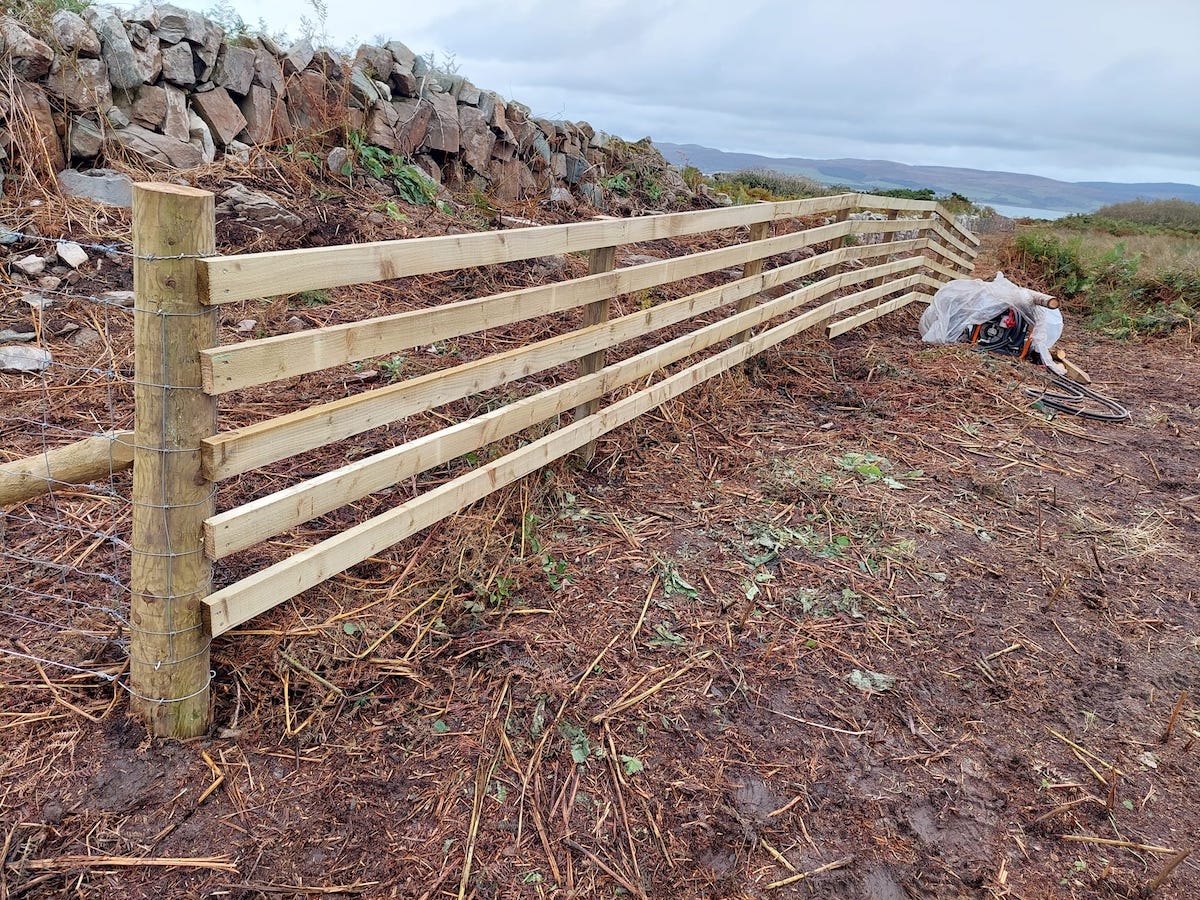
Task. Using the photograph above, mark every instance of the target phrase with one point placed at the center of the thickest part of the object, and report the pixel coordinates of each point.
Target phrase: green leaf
(350, 628)
(440, 727)
(1128, 804)
(631, 764)
(577, 740)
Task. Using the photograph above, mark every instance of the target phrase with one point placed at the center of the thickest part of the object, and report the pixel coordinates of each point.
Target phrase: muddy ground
(863, 621)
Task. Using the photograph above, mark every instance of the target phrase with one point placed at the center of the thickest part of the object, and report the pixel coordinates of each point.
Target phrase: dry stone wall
(170, 87)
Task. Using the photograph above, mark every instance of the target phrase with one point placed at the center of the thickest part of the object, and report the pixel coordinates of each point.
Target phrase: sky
(1081, 91)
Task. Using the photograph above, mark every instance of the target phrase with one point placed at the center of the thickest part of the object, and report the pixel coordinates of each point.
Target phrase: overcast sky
(1097, 90)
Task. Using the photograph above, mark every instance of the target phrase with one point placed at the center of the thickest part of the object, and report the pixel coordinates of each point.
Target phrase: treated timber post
(893, 215)
(841, 216)
(759, 231)
(169, 634)
(602, 259)
(926, 232)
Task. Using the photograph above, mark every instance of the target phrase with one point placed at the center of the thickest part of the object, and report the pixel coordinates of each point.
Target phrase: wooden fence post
(892, 215)
(840, 216)
(602, 259)
(169, 639)
(931, 238)
(759, 231)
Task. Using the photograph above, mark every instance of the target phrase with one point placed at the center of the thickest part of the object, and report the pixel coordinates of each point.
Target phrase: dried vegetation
(857, 621)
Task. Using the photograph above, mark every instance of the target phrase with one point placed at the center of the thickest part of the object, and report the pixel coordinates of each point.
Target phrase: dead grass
(640, 676)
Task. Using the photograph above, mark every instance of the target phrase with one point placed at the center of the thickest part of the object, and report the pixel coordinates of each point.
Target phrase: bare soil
(862, 621)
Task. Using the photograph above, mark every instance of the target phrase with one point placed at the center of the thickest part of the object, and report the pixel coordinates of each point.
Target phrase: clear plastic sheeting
(960, 305)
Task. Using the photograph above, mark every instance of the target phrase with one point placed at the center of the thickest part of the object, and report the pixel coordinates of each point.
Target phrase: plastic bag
(960, 305)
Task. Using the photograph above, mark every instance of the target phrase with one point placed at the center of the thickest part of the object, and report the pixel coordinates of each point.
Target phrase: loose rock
(16, 358)
(72, 254)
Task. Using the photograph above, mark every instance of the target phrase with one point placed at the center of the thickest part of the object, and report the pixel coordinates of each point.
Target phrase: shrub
(750, 185)
(1178, 214)
(1060, 266)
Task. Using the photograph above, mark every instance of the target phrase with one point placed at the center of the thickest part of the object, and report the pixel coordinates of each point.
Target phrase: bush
(1059, 266)
(1177, 214)
(37, 13)
(1108, 289)
(749, 185)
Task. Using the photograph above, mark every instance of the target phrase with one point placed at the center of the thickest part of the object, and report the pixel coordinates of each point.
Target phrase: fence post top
(163, 187)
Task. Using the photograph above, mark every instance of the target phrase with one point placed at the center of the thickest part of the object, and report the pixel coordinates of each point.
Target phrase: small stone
(71, 34)
(30, 58)
(177, 65)
(246, 326)
(295, 323)
(72, 254)
(10, 335)
(116, 48)
(298, 57)
(220, 113)
(337, 159)
(30, 265)
(98, 185)
(49, 282)
(201, 138)
(116, 118)
(84, 337)
(24, 359)
(560, 196)
(37, 301)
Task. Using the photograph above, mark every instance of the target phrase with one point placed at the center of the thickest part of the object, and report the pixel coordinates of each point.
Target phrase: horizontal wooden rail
(968, 250)
(248, 276)
(269, 587)
(95, 457)
(239, 450)
(950, 256)
(887, 306)
(246, 525)
(226, 279)
(288, 355)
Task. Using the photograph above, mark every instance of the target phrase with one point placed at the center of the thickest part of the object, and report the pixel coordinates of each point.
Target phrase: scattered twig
(1174, 716)
(1169, 868)
(1112, 842)
(800, 876)
(71, 862)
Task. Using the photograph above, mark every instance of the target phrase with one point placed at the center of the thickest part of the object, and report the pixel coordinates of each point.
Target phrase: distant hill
(1005, 188)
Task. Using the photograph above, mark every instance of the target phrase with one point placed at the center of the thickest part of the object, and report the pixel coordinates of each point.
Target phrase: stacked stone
(166, 84)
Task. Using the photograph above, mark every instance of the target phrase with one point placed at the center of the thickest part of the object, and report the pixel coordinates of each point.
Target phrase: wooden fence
(864, 268)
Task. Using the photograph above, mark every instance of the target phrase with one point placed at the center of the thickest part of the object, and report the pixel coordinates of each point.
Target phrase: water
(1020, 212)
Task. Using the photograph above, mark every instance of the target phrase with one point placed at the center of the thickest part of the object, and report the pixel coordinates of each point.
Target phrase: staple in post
(170, 574)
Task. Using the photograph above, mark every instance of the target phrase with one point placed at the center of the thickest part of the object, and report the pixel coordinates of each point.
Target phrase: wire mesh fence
(64, 554)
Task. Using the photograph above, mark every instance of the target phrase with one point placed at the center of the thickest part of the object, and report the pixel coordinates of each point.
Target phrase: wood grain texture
(169, 658)
(246, 277)
(91, 459)
(261, 361)
(246, 525)
(269, 587)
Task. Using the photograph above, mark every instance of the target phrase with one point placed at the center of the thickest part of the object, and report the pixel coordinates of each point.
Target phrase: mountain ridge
(980, 185)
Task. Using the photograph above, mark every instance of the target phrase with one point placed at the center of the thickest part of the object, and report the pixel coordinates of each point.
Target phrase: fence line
(865, 268)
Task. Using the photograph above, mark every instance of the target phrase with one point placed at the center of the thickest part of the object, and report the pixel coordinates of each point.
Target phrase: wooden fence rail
(857, 270)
